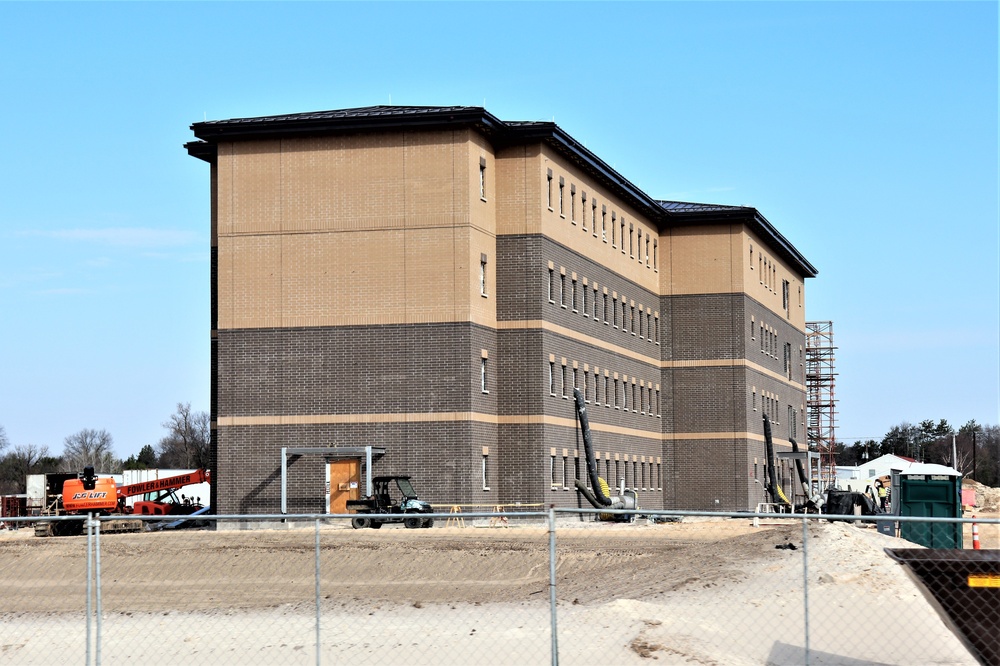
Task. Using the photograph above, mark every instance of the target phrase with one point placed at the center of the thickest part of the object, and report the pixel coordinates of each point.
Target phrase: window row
(599, 304)
(642, 243)
(641, 474)
(770, 405)
(637, 396)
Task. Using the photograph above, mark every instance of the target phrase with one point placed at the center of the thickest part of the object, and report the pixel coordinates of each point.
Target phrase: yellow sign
(984, 580)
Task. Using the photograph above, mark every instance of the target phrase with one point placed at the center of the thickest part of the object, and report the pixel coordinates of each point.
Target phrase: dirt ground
(699, 591)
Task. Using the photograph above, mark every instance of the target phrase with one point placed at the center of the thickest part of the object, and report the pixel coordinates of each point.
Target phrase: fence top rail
(748, 515)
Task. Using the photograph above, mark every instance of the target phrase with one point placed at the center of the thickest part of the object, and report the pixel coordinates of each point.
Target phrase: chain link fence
(557, 586)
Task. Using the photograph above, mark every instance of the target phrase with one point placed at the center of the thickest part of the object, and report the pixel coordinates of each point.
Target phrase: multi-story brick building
(434, 281)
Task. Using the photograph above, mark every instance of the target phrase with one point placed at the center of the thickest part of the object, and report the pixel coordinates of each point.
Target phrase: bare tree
(186, 444)
(4, 442)
(90, 447)
(15, 467)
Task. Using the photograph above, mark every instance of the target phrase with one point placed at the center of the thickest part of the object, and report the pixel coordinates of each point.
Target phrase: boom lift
(89, 493)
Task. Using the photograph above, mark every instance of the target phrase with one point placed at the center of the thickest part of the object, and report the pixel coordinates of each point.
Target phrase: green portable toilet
(933, 491)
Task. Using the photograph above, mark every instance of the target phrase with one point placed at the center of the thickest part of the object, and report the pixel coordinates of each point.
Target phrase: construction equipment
(814, 502)
(90, 494)
(379, 507)
(600, 497)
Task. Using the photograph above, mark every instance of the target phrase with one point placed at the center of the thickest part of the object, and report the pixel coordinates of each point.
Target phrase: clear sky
(865, 132)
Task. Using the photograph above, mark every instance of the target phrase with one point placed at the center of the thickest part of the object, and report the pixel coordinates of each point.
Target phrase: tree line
(185, 446)
(976, 450)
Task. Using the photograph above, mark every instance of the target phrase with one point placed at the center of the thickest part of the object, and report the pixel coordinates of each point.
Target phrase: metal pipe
(318, 657)
(97, 586)
(284, 479)
(552, 586)
(90, 577)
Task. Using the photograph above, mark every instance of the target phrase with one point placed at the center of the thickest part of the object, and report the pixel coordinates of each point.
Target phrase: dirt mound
(987, 498)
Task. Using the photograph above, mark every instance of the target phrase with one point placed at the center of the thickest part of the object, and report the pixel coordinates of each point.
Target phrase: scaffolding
(821, 402)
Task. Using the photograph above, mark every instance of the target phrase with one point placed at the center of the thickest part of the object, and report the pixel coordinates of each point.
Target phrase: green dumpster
(932, 491)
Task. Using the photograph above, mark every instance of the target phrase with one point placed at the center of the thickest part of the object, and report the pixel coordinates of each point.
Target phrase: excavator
(89, 493)
(600, 497)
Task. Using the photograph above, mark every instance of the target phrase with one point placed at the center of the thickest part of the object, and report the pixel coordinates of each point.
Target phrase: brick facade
(433, 281)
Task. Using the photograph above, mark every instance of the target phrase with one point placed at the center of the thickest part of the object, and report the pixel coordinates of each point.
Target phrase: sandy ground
(701, 591)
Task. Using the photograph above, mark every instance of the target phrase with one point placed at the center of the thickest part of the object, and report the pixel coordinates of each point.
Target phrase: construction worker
(883, 495)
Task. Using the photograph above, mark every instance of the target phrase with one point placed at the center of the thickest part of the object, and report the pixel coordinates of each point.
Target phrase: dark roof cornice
(501, 134)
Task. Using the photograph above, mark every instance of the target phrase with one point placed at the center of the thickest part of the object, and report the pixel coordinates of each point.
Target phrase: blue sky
(865, 132)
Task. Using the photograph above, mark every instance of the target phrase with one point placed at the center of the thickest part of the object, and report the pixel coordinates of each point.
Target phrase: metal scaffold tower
(821, 402)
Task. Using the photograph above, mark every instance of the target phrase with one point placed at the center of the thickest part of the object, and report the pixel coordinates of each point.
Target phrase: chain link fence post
(805, 582)
(552, 586)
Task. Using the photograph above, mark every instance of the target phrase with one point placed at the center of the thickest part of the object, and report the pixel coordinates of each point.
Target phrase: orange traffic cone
(975, 536)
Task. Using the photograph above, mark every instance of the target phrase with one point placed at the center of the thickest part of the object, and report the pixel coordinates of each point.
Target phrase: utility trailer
(380, 508)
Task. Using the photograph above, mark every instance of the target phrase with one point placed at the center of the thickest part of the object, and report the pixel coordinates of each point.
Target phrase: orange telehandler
(89, 493)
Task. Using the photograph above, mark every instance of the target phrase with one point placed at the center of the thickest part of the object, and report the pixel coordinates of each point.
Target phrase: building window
(572, 203)
(625, 394)
(618, 474)
(791, 422)
(604, 225)
(482, 178)
(552, 472)
(632, 319)
(657, 403)
(614, 310)
(594, 305)
(576, 468)
(647, 250)
(623, 235)
(565, 479)
(613, 229)
(586, 385)
(575, 384)
(753, 400)
(552, 378)
(635, 409)
(605, 307)
(562, 190)
(573, 296)
(565, 397)
(616, 394)
(583, 209)
(549, 190)
(482, 274)
(788, 360)
(656, 328)
(784, 297)
(562, 289)
(593, 216)
(482, 375)
(607, 384)
(631, 238)
(486, 471)
(551, 286)
(583, 297)
(654, 254)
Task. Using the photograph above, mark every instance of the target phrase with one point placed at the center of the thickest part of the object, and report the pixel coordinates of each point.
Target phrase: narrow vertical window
(552, 377)
(583, 298)
(586, 385)
(564, 382)
(605, 307)
(583, 209)
(632, 319)
(562, 196)
(573, 296)
(656, 328)
(482, 375)
(482, 178)
(551, 286)
(576, 384)
(552, 472)
(594, 305)
(562, 289)
(614, 311)
(623, 235)
(618, 473)
(647, 250)
(635, 408)
(482, 274)
(604, 225)
(593, 216)
(654, 254)
(565, 480)
(616, 394)
(486, 471)
(572, 203)
(642, 400)
(625, 394)
(658, 403)
(613, 225)
(607, 383)
(631, 238)
(548, 191)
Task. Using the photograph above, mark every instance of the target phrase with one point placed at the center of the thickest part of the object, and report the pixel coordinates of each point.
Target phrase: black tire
(428, 522)
(412, 522)
(376, 524)
(360, 523)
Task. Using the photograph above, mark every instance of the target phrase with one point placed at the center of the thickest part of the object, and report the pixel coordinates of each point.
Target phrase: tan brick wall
(369, 229)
